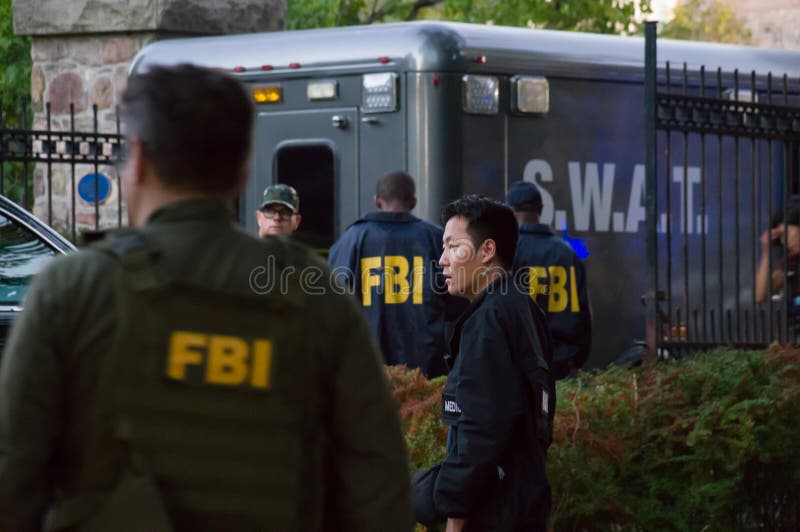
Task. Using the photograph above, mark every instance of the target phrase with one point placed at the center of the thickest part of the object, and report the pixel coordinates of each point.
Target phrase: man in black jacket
(499, 398)
(555, 277)
(151, 383)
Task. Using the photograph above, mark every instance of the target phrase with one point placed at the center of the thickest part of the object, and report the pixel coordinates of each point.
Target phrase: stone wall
(82, 51)
(78, 73)
(183, 17)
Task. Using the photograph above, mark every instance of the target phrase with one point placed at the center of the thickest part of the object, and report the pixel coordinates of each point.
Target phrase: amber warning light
(268, 94)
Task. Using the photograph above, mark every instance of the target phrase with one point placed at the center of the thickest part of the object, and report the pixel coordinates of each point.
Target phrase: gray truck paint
(587, 153)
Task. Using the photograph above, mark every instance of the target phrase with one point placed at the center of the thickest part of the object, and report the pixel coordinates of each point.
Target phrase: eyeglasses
(283, 213)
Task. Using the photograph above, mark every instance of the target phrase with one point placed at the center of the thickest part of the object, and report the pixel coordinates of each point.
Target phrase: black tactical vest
(214, 395)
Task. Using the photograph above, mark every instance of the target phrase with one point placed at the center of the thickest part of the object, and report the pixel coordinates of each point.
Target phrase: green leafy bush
(707, 443)
(15, 94)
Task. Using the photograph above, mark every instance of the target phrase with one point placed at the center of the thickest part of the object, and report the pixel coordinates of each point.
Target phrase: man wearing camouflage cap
(279, 214)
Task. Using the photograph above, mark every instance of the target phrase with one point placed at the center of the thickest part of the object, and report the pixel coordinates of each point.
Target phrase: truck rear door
(316, 152)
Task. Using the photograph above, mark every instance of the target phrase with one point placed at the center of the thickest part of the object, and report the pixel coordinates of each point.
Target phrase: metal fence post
(651, 301)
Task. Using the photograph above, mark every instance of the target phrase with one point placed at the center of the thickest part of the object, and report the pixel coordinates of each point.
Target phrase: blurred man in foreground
(151, 385)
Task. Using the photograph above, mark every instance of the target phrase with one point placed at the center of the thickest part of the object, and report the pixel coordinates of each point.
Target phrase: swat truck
(464, 109)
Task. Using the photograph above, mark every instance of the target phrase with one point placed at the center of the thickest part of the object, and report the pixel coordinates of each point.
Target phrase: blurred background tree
(15, 66)
(707, 20)
(15, 95)
(598, 16)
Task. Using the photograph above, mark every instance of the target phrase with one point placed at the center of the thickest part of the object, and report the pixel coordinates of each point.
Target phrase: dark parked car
(26, 246)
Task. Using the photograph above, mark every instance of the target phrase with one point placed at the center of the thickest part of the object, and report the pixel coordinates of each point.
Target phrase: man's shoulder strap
(137, 254)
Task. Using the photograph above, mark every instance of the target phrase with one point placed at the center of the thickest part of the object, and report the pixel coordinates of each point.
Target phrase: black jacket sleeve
(343, 260)
(489, 394)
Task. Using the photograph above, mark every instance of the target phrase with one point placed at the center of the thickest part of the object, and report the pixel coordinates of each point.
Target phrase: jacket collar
(537, 229)
(192, 209)
(496, 286)
(391, 217)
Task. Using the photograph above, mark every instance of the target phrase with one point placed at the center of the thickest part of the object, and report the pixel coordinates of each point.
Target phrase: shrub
(710, 442)
(420, 410)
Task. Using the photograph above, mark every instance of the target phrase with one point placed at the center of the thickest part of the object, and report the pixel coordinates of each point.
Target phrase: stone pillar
(82, 50)
(78, 72)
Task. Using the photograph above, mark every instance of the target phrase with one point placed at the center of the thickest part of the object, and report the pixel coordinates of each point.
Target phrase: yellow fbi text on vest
(559, 285)
(394, 276)
(216, 359)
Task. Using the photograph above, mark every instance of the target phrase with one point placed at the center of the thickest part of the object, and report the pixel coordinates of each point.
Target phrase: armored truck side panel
(339, 107)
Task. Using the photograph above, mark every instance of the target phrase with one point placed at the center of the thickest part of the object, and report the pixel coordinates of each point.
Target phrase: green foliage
(304, 14)
(600, 16)
(301, 14)
(709, 443)
(15, 65)
(419, 401)
(597, 16)
(707, 20)
(15, 93)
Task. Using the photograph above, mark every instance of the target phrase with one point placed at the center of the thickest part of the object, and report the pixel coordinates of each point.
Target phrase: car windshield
(22, 255)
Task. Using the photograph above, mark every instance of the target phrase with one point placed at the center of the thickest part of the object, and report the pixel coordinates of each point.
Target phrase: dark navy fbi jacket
(559, 286)
(390, 262)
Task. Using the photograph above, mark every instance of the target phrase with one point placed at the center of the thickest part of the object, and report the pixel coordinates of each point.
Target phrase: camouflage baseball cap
(283, 194)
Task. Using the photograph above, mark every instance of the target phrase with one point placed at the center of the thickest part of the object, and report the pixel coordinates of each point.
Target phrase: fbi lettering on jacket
(558, 284)
(393, 275)
(216, 359)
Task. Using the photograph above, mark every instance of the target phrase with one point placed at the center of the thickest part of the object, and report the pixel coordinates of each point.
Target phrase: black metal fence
(722, 192)
(52, 154)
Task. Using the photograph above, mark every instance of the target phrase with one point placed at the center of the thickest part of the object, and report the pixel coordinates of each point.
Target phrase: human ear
(488, 251)
(136, 161)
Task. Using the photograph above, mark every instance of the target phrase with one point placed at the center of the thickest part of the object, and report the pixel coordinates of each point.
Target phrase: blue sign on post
(86, 188)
